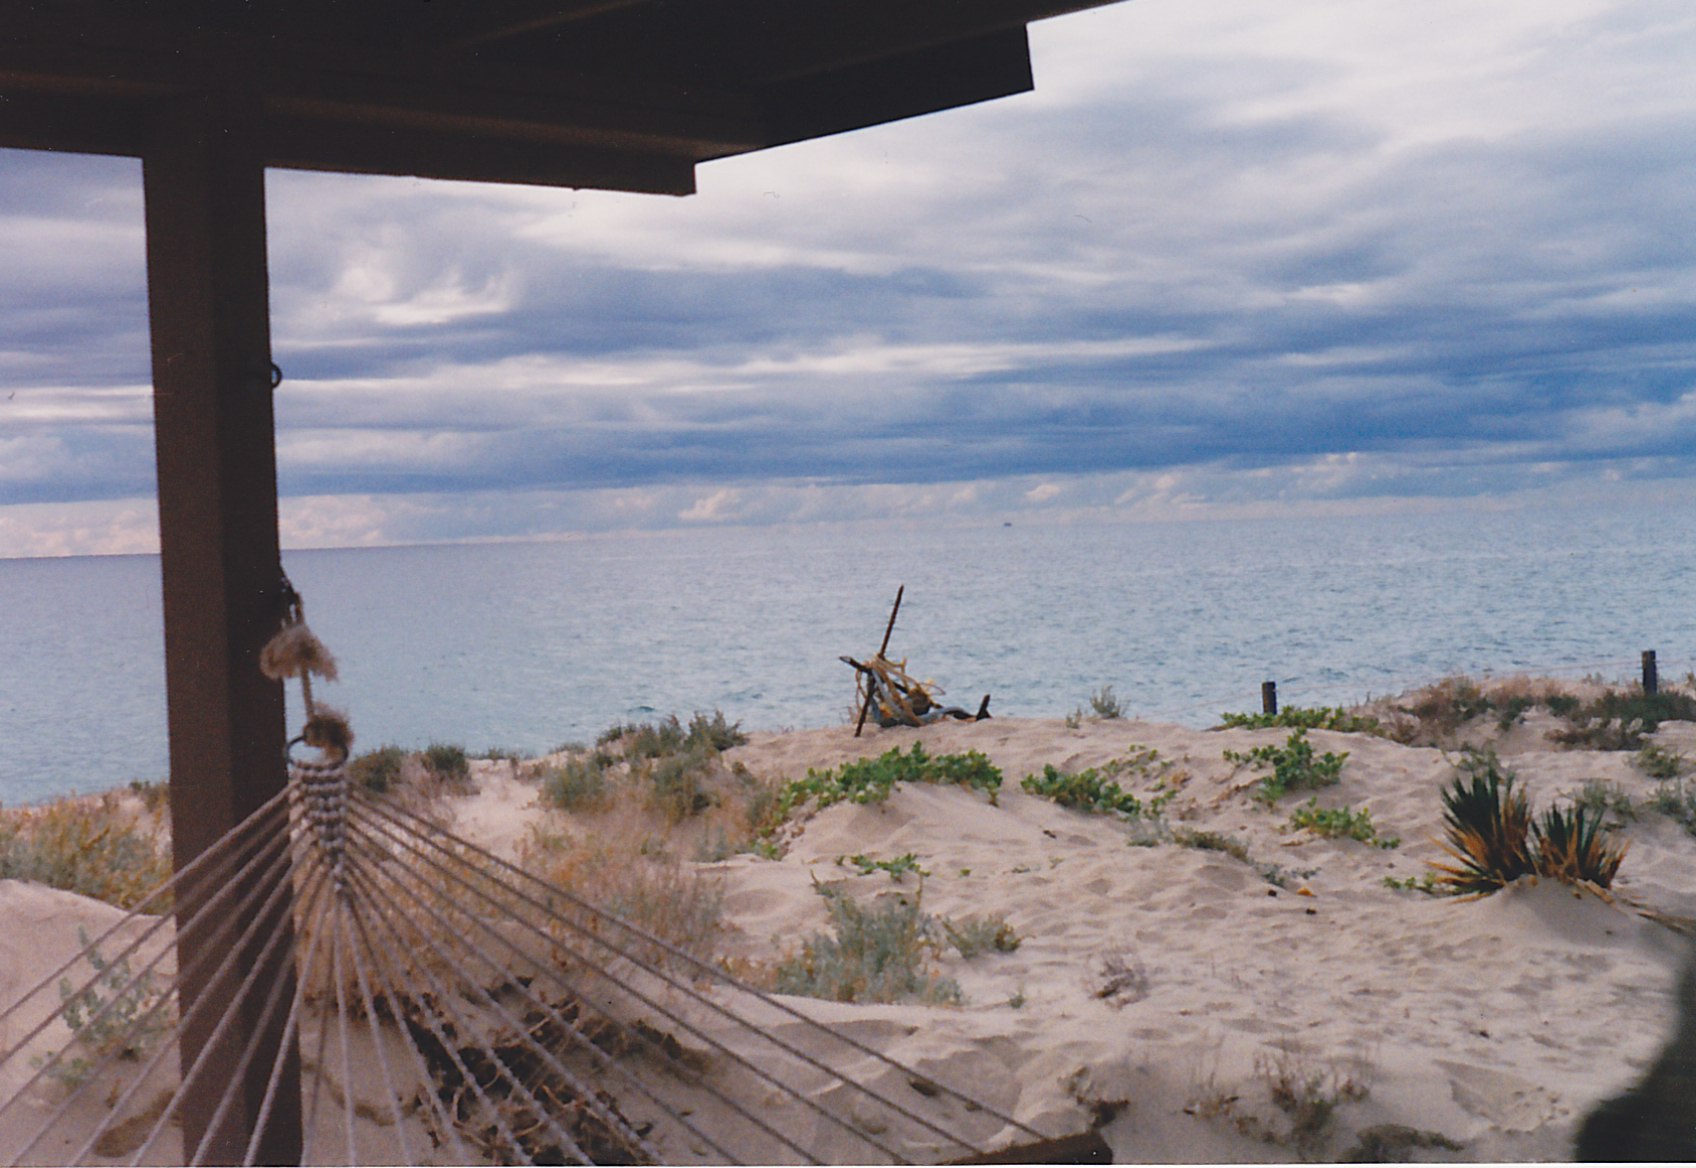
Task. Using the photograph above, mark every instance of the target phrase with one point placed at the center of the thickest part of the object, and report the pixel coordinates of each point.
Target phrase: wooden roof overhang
(614, 94)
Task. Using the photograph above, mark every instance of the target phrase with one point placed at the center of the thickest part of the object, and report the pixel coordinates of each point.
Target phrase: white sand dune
(1163, 984)
(1161, 990)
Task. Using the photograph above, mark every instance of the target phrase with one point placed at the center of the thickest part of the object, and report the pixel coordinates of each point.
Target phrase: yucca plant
(1573, 847)
(1489, 829)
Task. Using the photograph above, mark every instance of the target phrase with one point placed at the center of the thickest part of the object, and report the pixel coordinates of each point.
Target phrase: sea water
(524, 646)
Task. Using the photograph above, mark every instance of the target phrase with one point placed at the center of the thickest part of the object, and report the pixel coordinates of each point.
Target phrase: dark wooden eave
(619, 94)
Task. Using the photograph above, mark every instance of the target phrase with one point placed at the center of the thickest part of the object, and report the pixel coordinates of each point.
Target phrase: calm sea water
(525, 646)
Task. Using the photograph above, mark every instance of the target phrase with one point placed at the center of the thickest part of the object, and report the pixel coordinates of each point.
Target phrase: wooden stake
(1269, 697)
(1651, 679)
(865, 706)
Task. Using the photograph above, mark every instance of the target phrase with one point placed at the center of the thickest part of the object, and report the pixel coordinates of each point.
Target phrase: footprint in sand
(1496, 1095)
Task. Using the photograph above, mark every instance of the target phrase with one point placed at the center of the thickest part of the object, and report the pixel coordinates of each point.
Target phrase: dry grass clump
(1308, 1094)
(620, 870)
(1593, 716)
(1437, 714)
(1305, 1093)
(102, 846)
(1621, 719)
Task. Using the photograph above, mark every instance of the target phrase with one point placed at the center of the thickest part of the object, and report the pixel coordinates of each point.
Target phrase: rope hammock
(437, 1004)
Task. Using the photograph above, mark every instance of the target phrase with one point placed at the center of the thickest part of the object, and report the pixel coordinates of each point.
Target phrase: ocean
(524, 646)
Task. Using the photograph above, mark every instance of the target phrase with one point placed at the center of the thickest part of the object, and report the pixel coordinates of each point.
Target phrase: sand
(1167, 984)
(1163, 991)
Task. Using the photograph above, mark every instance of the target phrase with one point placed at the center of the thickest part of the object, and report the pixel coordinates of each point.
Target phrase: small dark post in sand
(1651, 677)
(1269, 697)
(865, 706)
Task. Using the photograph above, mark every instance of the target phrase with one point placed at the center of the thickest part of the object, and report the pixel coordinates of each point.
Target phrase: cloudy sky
(1231, 258)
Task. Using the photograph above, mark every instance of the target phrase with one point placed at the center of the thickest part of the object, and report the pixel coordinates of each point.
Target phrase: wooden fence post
(1651, 681)
(1269, 697)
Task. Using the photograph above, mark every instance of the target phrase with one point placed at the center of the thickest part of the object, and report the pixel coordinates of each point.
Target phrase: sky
(1234, 258)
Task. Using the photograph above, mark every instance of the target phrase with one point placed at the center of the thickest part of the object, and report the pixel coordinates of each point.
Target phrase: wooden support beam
(209, 305)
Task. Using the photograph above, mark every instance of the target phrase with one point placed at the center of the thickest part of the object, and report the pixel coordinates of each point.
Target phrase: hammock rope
(472, 1011)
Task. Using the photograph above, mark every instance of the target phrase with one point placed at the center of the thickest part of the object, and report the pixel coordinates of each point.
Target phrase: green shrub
(616, 731)
(638, 741)
(896, 868)
(871, 780)
(114, 1015)
(1086, 790)
(155, 795)
(678, 782)
(651, 739)
(1426, 883)
(93, 847)
(1677, 801)
(1334, 822)
(1441, 709)
(500, 754)
(974, 935)
(1097, 788)
(1623, 719)
(378, 771)
(1657, 762)
(1105, 704)
(1212, 841)
(1294, 766)
(876, 954)
(1605, 800)
(447, 764)
(577, 784)
(1300, 718)
(714, 732)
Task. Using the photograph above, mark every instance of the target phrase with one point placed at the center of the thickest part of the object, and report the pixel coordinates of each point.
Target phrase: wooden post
(1269, 697)
(209, 310)
(1651, 678)
(865, 706)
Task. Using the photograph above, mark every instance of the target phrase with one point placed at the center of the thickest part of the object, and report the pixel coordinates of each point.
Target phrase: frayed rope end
(296, 652)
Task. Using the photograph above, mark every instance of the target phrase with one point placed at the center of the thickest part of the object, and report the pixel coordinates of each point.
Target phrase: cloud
(1228, 255)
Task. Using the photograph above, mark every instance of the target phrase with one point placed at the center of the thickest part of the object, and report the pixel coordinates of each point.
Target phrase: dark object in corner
(1656, 1119)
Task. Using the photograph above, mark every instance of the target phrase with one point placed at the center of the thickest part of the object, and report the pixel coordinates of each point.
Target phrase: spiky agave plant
(1573, 847)
(1489, 829)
